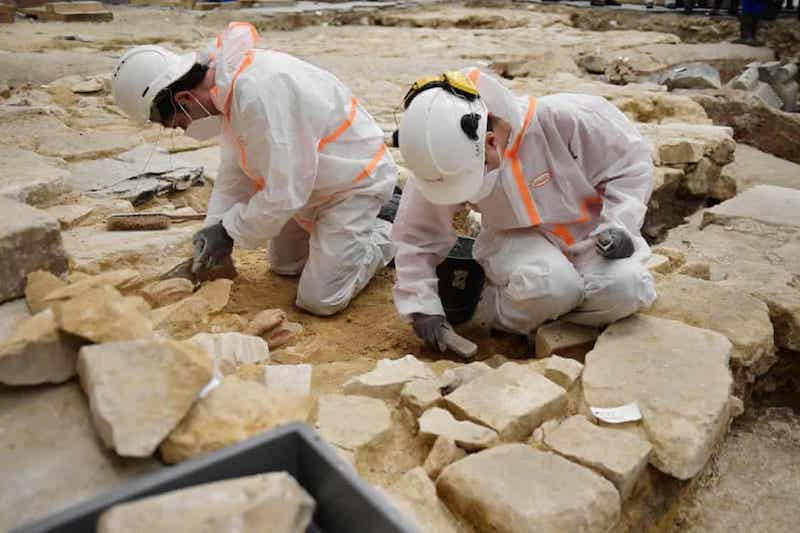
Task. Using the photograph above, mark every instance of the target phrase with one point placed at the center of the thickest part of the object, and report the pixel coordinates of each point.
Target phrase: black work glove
(211, 246)
(430, 328)
(614, 243)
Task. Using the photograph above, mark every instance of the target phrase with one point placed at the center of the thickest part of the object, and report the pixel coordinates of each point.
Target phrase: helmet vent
(469, 125)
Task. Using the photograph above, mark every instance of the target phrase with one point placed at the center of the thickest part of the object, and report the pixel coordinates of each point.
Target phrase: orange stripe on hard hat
(246, 62)
(474, 75)
(372, 164)
(516, 167)
(342, 128)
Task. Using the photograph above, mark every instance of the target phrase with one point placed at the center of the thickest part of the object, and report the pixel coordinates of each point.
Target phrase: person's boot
(688, 7)
(744, 29)
(733, 8)
(714, 11)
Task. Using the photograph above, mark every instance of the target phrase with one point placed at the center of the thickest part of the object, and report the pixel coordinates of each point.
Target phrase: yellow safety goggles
(453, 81)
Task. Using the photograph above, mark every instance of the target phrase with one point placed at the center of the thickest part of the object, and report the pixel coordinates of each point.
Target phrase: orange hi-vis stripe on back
(342, 128)
(246, 62)
(372, 164)
(563, 232)
(516, 166)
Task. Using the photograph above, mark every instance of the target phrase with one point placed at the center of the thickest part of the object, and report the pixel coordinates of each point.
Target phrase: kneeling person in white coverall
(303, 165)
(561, 183)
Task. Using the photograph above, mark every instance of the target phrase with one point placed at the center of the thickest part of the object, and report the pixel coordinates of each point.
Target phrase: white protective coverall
(574, 165)
(303, 166)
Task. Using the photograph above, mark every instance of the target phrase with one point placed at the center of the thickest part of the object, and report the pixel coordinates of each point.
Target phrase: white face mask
(205, 128)
(489, 181)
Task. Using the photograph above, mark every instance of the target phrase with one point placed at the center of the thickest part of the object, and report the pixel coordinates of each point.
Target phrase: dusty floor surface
(378, 56)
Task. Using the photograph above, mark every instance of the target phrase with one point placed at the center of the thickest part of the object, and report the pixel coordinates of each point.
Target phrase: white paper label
(618, 415)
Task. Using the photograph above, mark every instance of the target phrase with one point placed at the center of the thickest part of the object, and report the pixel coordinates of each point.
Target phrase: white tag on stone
(618, 415)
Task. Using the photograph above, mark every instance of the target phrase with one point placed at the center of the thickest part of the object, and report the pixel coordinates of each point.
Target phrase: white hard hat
(442, 139)
(143, 72)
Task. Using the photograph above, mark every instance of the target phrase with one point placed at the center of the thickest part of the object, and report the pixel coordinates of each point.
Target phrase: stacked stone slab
(752, 245)
(29, 240)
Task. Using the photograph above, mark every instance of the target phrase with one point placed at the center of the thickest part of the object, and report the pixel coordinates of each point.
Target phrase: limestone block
(29, 178)
(415, 495)
(229, 350)
(12, 314)
(38, 353)
(663, 176)
(265, 321)
(37, 286)
(693, 76)
(420, 394)
(73, 145)
(29, 240)
(698, 181)
(676, 257)
(104, 315)
(91, 251)
(115, 278)
(593, 63)
(167, 291)
(743, 319)
(388, 377)
(469, 436)
(512, 400)
(563, 371)
(230, 413)
(453, 378)
(768, 96)
(779, 206)
(787, 92)
(189, 313)
(696, 269)
(352, 422)
(682, 396)
(678, 151)
(292, 379)
(565, 339)
(620, 456)
(264, 502)
(51, 456)
(70, 216)
(444, 452)
(139, 390)
(515, 488)
(746, 81)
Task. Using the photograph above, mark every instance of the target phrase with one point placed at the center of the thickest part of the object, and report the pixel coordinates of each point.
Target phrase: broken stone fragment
(104, 315)
(563, 371)
(767, 95)
(232, 412)
(420, 394)
(683, 398)
(37, 352)
(168, 291)
(272, 502)
(513, 400)
(291, 379)
(216, 293)
(388, 377)
(678, 151)
(38, 285)
(444, 452)
(619, 456)
(229, 350)
(453, 378)
(746, 81)
(352, 422)
(515, 488)
(30, 240)
(415, 495)
(285, 333)
(190, 313)
(29, 178)
(659, 264)
(742, 318)
(437, 422)
(69, 216)
(692, 76)
(696, 269)
(115, 278)
(775, 206)
(568, 340)
(264, 322)
(139, 390)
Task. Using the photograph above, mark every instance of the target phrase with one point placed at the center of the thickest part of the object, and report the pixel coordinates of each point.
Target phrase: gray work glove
(430, 328)
(614, 243)
(211, 246)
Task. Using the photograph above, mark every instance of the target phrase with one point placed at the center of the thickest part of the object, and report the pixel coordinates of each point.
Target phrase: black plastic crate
(345, 502)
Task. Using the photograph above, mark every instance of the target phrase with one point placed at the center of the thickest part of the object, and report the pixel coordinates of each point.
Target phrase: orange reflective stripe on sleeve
(516, 167)
(342, 128)
(474, 75)
(564, 234)
(246, 62)
(372, 164)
